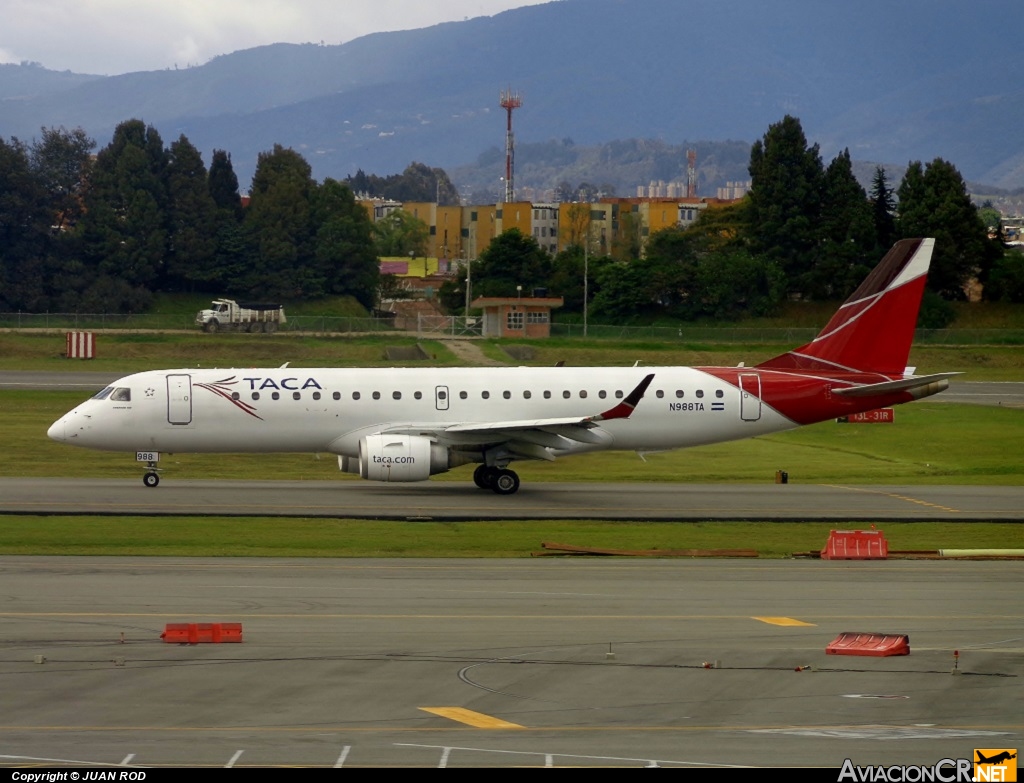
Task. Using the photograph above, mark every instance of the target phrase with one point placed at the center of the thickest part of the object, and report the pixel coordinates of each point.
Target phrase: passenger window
(235, 395)
(507, 395)
(602, 394)
(103, 394)
(296, 396)
(337, 395)
(567, 394)
(659, 394)
(355, 395)
(376, 395)
(583, 394)
(547, 395)
(463, 395)
(527, 395)
(699, 394)
(618, 394)
(316, 395)
(255, 396)
(122, 394)
(719, 393)
(442, 394)
(486, 395)
(396, 395)
(418, 395)
(679, 393)
(275, 396)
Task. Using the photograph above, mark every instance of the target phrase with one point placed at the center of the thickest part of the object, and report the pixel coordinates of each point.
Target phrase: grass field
(206, 536)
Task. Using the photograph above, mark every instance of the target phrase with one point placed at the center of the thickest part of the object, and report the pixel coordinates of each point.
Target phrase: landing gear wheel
(506, 482)
(482, 477)
(151, 479)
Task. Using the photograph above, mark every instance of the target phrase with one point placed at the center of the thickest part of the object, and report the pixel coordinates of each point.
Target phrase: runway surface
(449, 500)
(505, 662)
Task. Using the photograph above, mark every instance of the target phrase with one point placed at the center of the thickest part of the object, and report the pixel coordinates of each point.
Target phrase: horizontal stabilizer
(918, 381)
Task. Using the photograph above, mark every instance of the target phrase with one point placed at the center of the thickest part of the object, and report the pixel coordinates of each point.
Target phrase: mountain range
(891, 81)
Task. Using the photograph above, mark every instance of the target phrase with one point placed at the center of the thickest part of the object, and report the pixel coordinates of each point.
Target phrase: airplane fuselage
(330, 410)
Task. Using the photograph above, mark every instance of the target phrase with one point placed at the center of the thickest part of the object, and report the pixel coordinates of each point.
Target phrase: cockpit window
(121, 394)
(102, 395)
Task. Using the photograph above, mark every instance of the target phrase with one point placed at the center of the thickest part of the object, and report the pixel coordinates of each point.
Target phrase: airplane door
(179, 399)
(750, 396)
(441, 397)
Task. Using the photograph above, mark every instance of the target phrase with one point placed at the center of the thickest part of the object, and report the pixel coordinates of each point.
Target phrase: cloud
(118, 36)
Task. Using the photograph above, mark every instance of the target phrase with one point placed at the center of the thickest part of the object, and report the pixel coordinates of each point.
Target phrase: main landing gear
(501, 480)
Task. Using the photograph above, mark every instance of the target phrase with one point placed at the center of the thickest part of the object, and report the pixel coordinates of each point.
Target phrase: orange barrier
(878, 645)
(855, 545)
(196, 633)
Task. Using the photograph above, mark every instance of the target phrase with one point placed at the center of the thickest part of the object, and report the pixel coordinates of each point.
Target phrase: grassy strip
(299, 537)
(124, 353)
(930, 443)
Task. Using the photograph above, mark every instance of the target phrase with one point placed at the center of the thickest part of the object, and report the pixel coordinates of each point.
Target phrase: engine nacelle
(400, 458)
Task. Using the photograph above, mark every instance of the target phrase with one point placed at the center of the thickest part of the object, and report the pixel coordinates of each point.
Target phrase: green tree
(400, 234)
(883, 211)
(344, 253)
(512, 259)
(280, 227)
(732, 284)
(785, 199)
(223, 185)
(25, 219)
(933, 202)
(61, 160)
(124, 229)
(847, 234)
(1006, 283)
(192, 217)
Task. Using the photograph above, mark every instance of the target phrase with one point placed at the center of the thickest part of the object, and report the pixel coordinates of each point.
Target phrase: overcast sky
(118, 36)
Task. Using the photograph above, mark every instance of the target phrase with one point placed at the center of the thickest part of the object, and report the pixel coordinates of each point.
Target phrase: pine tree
(883, 210)
(124, 228)
(280, 225)
(785, 199)
(192, 218)
(846, 234)
(933, 202)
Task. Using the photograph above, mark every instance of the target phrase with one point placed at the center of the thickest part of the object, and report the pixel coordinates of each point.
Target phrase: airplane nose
(57, 430)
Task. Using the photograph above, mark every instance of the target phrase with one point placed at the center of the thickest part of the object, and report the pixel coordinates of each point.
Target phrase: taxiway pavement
(495, 663)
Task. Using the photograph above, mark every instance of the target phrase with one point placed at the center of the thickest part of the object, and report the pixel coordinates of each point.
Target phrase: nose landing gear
(151, 458)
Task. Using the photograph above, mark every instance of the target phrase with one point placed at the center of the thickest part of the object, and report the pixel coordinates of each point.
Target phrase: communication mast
(509, 102)
(691, 173)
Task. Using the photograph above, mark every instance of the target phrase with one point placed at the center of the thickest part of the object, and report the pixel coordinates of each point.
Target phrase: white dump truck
(230, 316)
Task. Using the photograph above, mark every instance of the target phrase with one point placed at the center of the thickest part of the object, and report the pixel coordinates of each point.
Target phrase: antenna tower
(509, 102)
(691, 173)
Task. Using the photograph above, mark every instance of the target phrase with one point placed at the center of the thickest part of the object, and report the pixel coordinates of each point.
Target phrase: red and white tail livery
(404, 425)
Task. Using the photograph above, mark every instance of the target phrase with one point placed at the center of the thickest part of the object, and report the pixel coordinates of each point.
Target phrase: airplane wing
(905, 384)
(535, 437)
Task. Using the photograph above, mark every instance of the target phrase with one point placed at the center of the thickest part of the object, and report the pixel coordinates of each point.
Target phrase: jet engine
(400, 458)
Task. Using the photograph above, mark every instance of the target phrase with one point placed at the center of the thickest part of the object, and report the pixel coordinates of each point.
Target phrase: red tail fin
(874, 328)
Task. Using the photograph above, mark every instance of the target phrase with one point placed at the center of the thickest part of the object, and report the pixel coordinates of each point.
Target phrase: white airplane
(405, 425)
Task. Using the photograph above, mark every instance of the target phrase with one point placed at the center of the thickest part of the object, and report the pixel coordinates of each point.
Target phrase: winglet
(625, 408)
